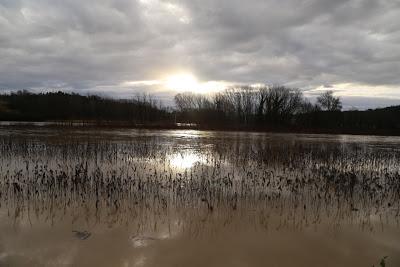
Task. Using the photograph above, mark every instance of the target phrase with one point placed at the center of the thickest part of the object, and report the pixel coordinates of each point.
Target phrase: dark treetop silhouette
(237, 108)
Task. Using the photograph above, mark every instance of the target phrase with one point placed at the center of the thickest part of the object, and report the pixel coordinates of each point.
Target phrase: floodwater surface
(122, 197)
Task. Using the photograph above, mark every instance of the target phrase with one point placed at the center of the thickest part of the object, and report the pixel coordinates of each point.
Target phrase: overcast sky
(120, 47)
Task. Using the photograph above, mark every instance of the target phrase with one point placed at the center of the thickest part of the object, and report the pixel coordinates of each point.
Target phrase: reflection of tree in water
(263, 182)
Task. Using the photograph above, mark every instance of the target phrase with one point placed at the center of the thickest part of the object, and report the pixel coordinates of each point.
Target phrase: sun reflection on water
(185, 160)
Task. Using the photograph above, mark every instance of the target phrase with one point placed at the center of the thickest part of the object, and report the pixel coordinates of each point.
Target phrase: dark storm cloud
(86, 45)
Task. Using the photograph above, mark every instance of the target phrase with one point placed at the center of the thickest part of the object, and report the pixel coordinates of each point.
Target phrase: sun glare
(184, 160)
(183, 82)
(187, 82)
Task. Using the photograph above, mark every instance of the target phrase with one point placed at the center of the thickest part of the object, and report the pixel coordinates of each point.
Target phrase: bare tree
(281, 102)
(329, 102)
(308, 107)
(184, 101)
(191, 101)
(242, 99)
(244, 104)
(262, 95)
(223, 105)
(202, 102)
(248, 102)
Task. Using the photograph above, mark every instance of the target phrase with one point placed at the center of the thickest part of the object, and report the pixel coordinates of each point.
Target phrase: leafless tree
(281, 102)
(329, 102)
(184, 101)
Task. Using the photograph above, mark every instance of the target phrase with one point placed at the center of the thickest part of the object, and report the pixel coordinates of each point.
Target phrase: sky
(120, 48)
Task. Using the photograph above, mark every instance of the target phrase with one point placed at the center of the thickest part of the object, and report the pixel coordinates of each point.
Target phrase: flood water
(122, 197)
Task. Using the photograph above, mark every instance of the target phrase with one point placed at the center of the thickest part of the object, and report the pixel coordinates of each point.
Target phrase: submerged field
(71, 197)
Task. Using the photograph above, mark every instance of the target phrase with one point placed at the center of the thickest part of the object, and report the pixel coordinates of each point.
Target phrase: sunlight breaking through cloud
(115, 47)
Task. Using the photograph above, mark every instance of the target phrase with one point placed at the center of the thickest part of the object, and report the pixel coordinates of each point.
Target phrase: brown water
(193, 198)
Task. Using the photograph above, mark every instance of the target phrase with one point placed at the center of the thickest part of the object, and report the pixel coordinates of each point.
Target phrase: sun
(183, 82)
(187, 82)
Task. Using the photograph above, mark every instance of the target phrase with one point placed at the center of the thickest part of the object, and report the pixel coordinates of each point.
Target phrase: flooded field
(71, 197)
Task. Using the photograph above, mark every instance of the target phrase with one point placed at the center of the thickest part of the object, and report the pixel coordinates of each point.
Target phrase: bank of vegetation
(265, 108)
(61, 106)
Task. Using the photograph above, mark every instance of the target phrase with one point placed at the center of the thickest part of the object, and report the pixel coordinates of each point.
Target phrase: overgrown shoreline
(239, 109)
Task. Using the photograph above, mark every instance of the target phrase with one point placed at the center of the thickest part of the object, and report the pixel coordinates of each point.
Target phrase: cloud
(85, 45)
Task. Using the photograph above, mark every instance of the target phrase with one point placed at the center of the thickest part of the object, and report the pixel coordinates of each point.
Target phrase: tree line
(61, 106)
(282, 108)
(248, 105)
(242, 107)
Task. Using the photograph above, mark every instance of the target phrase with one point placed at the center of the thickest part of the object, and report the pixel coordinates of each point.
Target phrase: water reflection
(185, 160)
(156, 191)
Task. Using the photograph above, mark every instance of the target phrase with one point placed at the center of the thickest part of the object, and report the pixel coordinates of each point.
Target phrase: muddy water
(71, 197)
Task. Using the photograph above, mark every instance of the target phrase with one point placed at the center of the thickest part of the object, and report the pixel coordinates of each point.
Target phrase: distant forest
(60, 106)
(265, 108)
